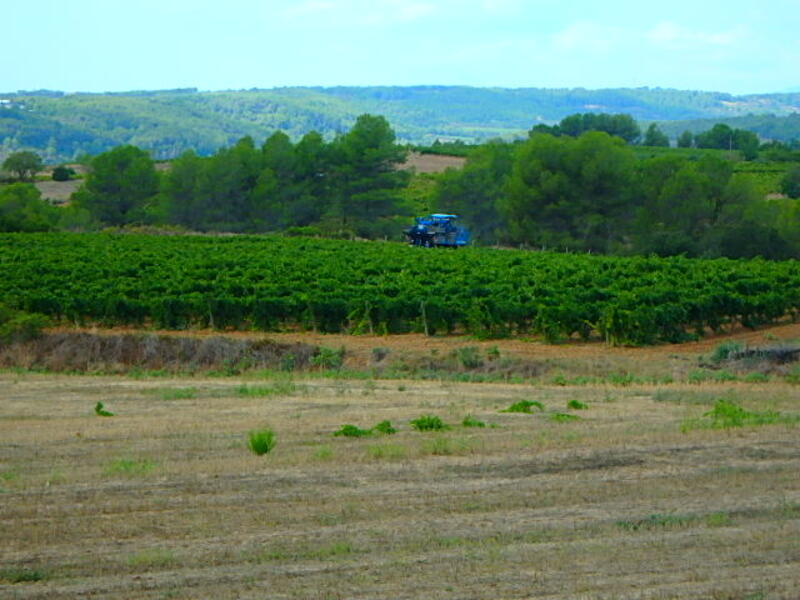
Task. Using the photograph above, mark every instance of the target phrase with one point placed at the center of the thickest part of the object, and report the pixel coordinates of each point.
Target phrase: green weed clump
(727, 414)
(577, 405)
(558, 417)
(470, 421)
(100, 411)
(384, 427)
(348, 430)
(261, 441)
(428, 423)
(524, 406)
(724, 350)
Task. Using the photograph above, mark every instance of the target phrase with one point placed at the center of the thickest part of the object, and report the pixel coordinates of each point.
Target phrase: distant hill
(61, 126)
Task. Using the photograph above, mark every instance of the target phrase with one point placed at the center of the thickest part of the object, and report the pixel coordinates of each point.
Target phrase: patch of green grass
(558, 417)
(278, 388)
(429, 423)
(703, 375)
(261, 441)
(756, 378)
(470, 421)
(577, 405)
(152, 557)
(323, 453)
(718, 519)
(22, 575)
(445, 446)
(348, 430)
(657, 521)
(177, 393)
(386, 451)
(727, 414)
(523, 406)
(129, 467)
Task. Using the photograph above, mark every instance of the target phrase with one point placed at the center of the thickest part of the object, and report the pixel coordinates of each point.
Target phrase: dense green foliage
(22, 209)
(167, 123)
(270, 283)
(596, 193)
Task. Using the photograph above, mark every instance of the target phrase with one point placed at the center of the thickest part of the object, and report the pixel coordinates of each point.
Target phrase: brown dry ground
(164, 499)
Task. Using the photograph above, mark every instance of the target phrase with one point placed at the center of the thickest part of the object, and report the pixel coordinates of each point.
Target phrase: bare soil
(432, 163)
(165, 500)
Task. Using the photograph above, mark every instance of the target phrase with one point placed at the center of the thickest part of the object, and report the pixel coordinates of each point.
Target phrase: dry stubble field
(165, 500)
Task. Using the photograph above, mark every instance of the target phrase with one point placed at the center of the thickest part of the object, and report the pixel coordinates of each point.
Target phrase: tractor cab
(437, 230)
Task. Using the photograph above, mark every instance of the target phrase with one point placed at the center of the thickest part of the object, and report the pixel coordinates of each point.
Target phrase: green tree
(655, 137)
(569, 193)
(686, 140)
(24, 165)
(63, 173)
(22, 209)
(474, 190)
(790, 183)
(365, 177)
(119, 185)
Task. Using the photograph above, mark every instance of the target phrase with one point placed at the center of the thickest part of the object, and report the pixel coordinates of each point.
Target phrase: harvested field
(165, 500)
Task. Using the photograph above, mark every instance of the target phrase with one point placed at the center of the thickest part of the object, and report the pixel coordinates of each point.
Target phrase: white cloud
(673, 35)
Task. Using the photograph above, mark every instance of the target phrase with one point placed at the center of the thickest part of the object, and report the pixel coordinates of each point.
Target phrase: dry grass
(165, 500)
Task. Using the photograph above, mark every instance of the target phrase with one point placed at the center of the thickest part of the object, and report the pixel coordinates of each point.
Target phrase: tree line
(571, 187)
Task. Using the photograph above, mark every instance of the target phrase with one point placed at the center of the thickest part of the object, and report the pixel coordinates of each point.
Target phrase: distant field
(630, 496)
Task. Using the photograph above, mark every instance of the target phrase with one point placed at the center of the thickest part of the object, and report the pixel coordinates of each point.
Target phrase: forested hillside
(166, 123)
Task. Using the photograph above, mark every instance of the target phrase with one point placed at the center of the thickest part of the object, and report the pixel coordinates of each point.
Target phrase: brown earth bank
(361, 350)
(633, 495)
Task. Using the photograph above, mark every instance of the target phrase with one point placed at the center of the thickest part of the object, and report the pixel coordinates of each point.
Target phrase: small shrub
(384, 427)
(428, 423)
(524, 406)
(261, 441)
(563, 417)
(724, 350)
(379, 354)
(577, 405)
(559, 380)
(469, 357)
(349, 430)
(19, 326)
(329, 358)
(718, 519)
(100, 411)
(470, 421)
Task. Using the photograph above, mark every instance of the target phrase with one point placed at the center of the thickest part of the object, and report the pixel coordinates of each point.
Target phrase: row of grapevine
(271, 283)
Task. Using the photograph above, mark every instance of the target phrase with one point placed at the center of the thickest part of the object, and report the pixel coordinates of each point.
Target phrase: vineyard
(274, 283)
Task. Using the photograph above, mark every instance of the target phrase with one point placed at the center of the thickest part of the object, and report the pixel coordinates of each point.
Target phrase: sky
(733, 46)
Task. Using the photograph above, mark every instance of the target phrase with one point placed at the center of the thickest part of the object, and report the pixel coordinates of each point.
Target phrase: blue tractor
(437, 230)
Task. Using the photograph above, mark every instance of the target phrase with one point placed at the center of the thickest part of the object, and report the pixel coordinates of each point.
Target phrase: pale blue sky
(109, 45)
